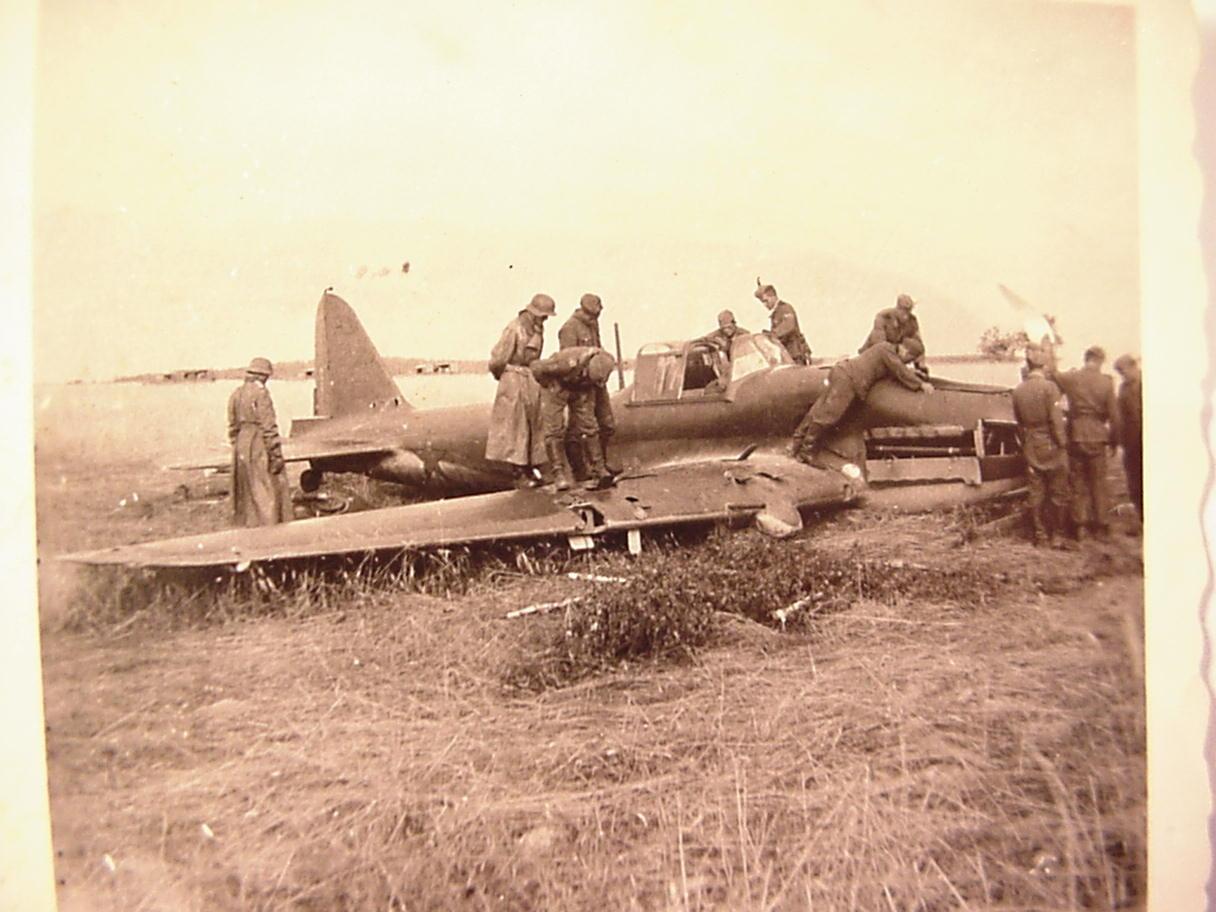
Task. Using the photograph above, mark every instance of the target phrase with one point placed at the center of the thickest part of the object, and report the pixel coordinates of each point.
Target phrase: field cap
(260, 366)
(541, 305)
(599, 368)
(726, 318)
(763, 290)
(591, 303)
(1095, 353)
(1123, 362)
(905, 301)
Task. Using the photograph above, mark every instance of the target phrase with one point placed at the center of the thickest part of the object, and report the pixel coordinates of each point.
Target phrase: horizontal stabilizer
(294, 450)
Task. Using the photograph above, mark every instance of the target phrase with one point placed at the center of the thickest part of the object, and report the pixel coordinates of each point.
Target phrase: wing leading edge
(770, 489)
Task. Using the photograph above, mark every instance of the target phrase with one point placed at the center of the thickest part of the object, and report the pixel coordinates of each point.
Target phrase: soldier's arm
(1116, 415)
(500, 354)
(544, 368)
(264, 409)
(567, 336)
(1056, 418)
(786, 325)
(902, 372)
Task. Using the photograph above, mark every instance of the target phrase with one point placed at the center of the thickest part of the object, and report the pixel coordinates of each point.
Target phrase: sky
(202, 172)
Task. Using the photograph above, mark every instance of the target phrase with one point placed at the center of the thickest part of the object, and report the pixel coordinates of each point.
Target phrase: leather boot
(573, 448)
(600, 477)
(562, 480)
(807, 447)
(613, 470)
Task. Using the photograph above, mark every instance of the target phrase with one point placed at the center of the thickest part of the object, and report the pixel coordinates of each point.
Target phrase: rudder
(350, 375)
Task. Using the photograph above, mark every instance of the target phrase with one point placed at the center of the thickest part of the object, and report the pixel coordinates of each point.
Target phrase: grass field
(961, 727)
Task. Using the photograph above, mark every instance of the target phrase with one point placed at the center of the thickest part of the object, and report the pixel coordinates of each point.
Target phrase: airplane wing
(768, 488)
(294, 450)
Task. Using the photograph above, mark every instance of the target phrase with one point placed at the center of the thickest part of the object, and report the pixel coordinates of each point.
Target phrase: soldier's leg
(824, 413)
(607, 423)
(1079, 497)
(1100, 491)
(1056, 508)
(553, 401)
(1132, 468)
(582, 420)
(1036, 496)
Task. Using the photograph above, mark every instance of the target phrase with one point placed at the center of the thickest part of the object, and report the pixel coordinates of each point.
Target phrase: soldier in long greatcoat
(260, 495)
(514, 435)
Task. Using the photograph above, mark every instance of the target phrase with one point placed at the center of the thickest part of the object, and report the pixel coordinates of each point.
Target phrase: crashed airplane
(701, 439)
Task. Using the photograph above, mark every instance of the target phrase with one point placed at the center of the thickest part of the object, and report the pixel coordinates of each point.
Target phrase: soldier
(569, 379)
(583, 330)
(514, 435)
(722, 337)
(1130, 438)
(259, 478)
(1093, 425)
(850, 380)
(1036, 405)
(898, 326)
(784, 324)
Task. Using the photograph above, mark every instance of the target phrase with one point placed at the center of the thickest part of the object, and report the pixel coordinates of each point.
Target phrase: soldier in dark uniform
(514, 435)
(1036, 405)
(784, 324)
(723, 337)
(582, 330)
(568, 379)
(848, 381)
(1093, 425)
(899, 326)
(1131, 437)
(259, 478)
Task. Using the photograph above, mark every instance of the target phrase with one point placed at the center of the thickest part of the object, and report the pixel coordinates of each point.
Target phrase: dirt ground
(955, 751)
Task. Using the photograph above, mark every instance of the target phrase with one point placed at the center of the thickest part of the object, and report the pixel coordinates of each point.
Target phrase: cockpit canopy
(681, 371)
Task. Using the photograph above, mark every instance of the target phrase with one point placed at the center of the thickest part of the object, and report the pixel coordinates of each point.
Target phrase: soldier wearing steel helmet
(569, 379)
(1036, 406)
(581, 330)
(514, 435)
(260, 495)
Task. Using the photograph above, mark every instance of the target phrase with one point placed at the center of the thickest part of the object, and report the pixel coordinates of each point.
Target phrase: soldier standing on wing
(514, 435)
(582, 330)
(569, 379)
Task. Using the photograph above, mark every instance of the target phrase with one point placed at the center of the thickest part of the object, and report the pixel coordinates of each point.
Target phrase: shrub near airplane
(701, 438)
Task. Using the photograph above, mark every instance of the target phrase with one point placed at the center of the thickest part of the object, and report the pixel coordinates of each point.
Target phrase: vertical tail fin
(349, 374)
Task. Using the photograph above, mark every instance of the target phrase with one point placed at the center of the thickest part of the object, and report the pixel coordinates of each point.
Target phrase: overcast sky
(204, 171)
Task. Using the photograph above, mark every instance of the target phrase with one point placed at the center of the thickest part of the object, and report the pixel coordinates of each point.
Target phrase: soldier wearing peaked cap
(899, 326)
(784, 324)
(1094, 424)
(514, 435)
(1036, 406)
(582, 330)
(260, 495)
(569, 379)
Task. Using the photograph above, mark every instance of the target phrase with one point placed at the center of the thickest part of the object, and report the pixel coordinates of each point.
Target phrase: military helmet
(260, 366)
(1095, 353)
(726, 318)
(541, 305)
(905, 301)
(599, 367)
(591, 303)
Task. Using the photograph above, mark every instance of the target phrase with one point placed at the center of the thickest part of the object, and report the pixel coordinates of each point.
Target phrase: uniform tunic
(259, 483)
(564, 383)
(898, 326)
(514, 434)
(582, 330)
(784, 327)
(1093, 424)
(850, 380)
(1036, 406)
(1131, 440)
